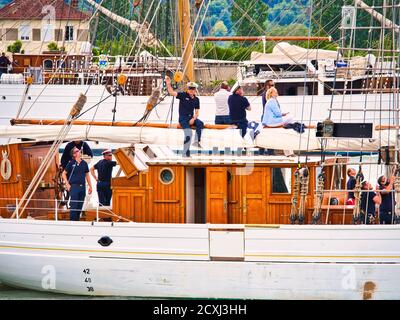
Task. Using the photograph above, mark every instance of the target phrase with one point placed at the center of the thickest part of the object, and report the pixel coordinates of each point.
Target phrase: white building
(38, 23)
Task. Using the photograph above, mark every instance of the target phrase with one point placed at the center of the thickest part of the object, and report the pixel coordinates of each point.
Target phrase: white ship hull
(202, 261)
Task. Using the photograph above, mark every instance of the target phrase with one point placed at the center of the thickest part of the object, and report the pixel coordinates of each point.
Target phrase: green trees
(15, 47)
(249, 17)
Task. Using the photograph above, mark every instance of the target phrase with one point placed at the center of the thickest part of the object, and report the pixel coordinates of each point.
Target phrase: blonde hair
(270, 92)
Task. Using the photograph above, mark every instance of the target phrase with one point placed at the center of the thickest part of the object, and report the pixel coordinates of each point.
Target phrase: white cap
(235, 87)
(192, 84)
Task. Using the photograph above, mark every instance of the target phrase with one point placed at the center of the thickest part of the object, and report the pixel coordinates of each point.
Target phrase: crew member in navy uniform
(237, 109)
(104, 173)
(386, 208)
(189, 106)
(67, 154)
(74, 175)
(369, 200)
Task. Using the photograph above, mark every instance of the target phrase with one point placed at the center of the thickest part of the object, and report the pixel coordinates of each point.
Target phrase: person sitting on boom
(273, 116)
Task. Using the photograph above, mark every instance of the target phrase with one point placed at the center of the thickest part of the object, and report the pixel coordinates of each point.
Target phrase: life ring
(5, 167)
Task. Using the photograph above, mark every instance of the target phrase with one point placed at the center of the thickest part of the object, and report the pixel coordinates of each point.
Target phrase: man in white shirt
(221, 103)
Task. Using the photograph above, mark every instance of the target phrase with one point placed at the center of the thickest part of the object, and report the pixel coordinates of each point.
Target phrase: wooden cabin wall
(145, 198)
(25, 160)
(32, 157)
(130, 197)
(251, 199)
(12, 188)
(233, 194)
(167, 201)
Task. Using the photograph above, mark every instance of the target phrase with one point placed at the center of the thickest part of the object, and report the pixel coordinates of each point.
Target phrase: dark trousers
(385, 217)
(370, 218)
(242, 125)
(104, 192)
(222, 120)
(77, 196)
(3, 70)
(187, 131)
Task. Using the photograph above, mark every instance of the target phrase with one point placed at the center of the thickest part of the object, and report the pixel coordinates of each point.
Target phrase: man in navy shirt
(74, 175)
(104, 170)
(189, 106)
(351, 185)
(386, 208)
(367, 204)
(237, 109)
(67, 154)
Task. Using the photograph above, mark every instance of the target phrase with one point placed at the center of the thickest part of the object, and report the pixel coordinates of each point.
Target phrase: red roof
(32, 10)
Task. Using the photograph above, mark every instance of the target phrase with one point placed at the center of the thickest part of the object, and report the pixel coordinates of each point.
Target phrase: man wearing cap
(221, 104)
(104, 170)
(189, 106)
(237, 108)
(74, 175)
(67, 154)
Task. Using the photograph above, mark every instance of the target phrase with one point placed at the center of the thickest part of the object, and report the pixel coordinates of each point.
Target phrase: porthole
(166, 176)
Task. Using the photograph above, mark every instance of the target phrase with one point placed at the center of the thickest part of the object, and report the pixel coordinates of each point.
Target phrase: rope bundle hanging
(304, 181)
(296, 189)
(357, 199)
(319, 196)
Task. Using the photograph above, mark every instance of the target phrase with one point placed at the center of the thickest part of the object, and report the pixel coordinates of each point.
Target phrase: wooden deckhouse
(155, 184)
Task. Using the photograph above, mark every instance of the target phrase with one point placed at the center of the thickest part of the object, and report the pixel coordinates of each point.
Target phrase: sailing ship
(228, 223)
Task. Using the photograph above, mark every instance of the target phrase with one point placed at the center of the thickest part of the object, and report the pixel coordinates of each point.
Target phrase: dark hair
(268, 83)
(364, 184)
(380, 180)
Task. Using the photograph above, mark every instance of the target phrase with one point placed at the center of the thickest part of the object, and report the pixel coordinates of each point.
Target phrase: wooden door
(217, 195)
(130, 204)
(167, 197)
(254, 196)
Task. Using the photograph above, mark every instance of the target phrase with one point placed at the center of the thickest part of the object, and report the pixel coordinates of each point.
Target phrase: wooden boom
(109, 124)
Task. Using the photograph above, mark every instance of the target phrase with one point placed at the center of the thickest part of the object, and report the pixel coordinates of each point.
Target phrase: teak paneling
(216, 195)
(234, 196)
(25, 160)
(166, 201)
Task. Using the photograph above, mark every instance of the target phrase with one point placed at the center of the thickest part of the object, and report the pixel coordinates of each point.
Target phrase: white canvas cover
(285, 53)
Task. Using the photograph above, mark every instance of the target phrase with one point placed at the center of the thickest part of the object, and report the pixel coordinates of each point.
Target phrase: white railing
(14, 205)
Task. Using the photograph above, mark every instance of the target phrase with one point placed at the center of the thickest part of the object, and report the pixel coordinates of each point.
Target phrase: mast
(185, 30)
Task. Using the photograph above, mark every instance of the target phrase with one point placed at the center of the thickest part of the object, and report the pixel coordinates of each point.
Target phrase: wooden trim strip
(166, 201)
(272, 226)
(227, 258)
